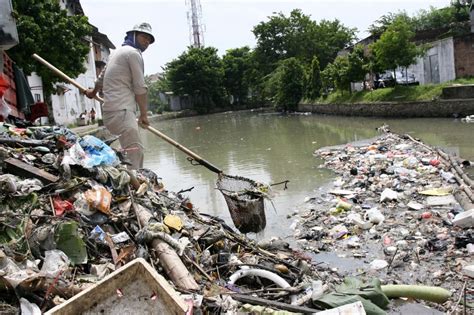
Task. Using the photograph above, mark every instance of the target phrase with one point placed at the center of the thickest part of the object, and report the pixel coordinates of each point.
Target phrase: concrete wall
(440, 108)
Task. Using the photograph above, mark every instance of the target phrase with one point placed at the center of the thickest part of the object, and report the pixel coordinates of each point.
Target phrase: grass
(398, 93)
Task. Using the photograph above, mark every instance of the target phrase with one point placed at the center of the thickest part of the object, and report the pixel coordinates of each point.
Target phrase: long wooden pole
(196, 157)
(64, 76)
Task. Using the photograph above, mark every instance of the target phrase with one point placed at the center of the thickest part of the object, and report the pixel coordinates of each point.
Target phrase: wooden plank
(279, 305)
(25, 142)
(19, 168)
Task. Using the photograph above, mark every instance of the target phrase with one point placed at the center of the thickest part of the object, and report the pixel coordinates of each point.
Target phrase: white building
(68, 103)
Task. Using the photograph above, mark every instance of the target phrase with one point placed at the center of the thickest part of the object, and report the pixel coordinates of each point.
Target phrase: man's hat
(143, 28)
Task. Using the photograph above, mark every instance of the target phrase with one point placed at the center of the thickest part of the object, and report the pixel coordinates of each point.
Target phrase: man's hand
(90, 93)
(143, 121)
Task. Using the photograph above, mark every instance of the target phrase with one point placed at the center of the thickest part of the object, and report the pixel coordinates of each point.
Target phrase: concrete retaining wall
(440, 108)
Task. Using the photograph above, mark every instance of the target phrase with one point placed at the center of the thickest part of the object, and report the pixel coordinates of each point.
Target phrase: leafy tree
(44, 28)
(298, 36)
(314, 84)
(340, 73)
(381, 25)
(432, 18)
(198, 72)
(396, 48)
(290, 84)
(330, 38)
(155, 103)
(237, 65)
(328, 79)
(357, 64)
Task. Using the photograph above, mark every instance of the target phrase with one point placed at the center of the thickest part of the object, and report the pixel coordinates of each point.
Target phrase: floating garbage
(75, 222)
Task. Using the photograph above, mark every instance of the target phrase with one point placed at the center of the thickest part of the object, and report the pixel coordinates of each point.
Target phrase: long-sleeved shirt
(122, 79)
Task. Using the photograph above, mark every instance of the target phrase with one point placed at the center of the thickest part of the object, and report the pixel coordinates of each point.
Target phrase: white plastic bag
(4, 108)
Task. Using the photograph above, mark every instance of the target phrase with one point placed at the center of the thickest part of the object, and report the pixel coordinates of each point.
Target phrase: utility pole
(196, 36)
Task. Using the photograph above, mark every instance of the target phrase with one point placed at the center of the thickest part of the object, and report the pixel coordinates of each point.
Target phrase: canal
(272, 148)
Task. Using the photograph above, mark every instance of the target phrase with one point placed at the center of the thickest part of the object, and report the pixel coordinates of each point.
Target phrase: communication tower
(196, 28)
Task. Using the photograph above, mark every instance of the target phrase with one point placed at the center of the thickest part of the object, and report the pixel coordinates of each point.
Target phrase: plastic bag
(4, 108)
(61, 206)
(98, 153)
(55, 261)
(99, 198)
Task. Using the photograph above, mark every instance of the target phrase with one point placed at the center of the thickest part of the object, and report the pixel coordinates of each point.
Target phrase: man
(123, 84)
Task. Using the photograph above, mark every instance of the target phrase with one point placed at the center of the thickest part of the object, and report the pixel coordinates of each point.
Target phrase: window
(37, 97)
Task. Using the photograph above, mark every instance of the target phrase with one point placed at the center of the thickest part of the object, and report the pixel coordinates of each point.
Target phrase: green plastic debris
(427, 293)
(353, 290)
(70, 242)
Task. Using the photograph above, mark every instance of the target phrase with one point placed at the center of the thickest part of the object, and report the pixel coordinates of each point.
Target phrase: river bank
(455, 108)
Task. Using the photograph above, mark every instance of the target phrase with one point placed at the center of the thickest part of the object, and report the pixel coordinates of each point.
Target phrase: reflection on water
(272, 148)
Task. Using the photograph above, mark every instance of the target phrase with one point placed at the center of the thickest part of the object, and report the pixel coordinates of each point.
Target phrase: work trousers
(123, 123)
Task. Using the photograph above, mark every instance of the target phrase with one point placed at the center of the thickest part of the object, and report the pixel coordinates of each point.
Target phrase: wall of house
(69, 105)
(36, 86)
(464, 56)
(437, 65)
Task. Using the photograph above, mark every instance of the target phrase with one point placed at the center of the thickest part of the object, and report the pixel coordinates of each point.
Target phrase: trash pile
(75, 222)
(399, 211)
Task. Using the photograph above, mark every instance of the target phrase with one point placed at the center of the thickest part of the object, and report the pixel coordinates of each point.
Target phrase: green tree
(155, 88)
(199, 73)
(358, 64)
(314, 84)
(340, 73)
(396, 48)
(298, 36)
(432, 18)
(330, 38)
(44, 28)
(290, 85)
(237, 65)
(328, 79)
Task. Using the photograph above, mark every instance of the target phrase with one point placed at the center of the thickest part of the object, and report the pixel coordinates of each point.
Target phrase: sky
(228, 23)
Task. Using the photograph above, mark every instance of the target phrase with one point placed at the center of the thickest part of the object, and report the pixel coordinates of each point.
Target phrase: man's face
(144, 40)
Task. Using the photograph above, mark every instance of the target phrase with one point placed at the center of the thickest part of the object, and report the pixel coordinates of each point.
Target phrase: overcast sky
(228, 23)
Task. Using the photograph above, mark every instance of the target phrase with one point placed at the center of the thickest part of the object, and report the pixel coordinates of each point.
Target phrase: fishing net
(245, 199)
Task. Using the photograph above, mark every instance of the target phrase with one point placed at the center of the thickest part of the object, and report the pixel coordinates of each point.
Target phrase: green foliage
(198, 72)
(155, 103)
(331, 37)
(340, 73)
(237, 66)
(432, 18)
(328, 79)
(358, 64)
(398, 93)
(298, 36)
(45, 29)
(290, 84)
(396, 48)
(314, 82)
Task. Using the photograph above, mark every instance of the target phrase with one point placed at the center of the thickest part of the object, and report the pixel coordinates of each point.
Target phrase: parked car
(406, 78)
(388, 78)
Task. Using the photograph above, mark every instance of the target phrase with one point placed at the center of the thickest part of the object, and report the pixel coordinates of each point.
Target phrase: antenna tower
(196, 28)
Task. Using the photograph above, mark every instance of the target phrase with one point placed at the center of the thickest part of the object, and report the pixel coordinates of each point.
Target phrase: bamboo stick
(169, 260)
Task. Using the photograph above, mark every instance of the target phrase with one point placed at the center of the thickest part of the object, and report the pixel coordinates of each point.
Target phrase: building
(449, 55)
(68, 102)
